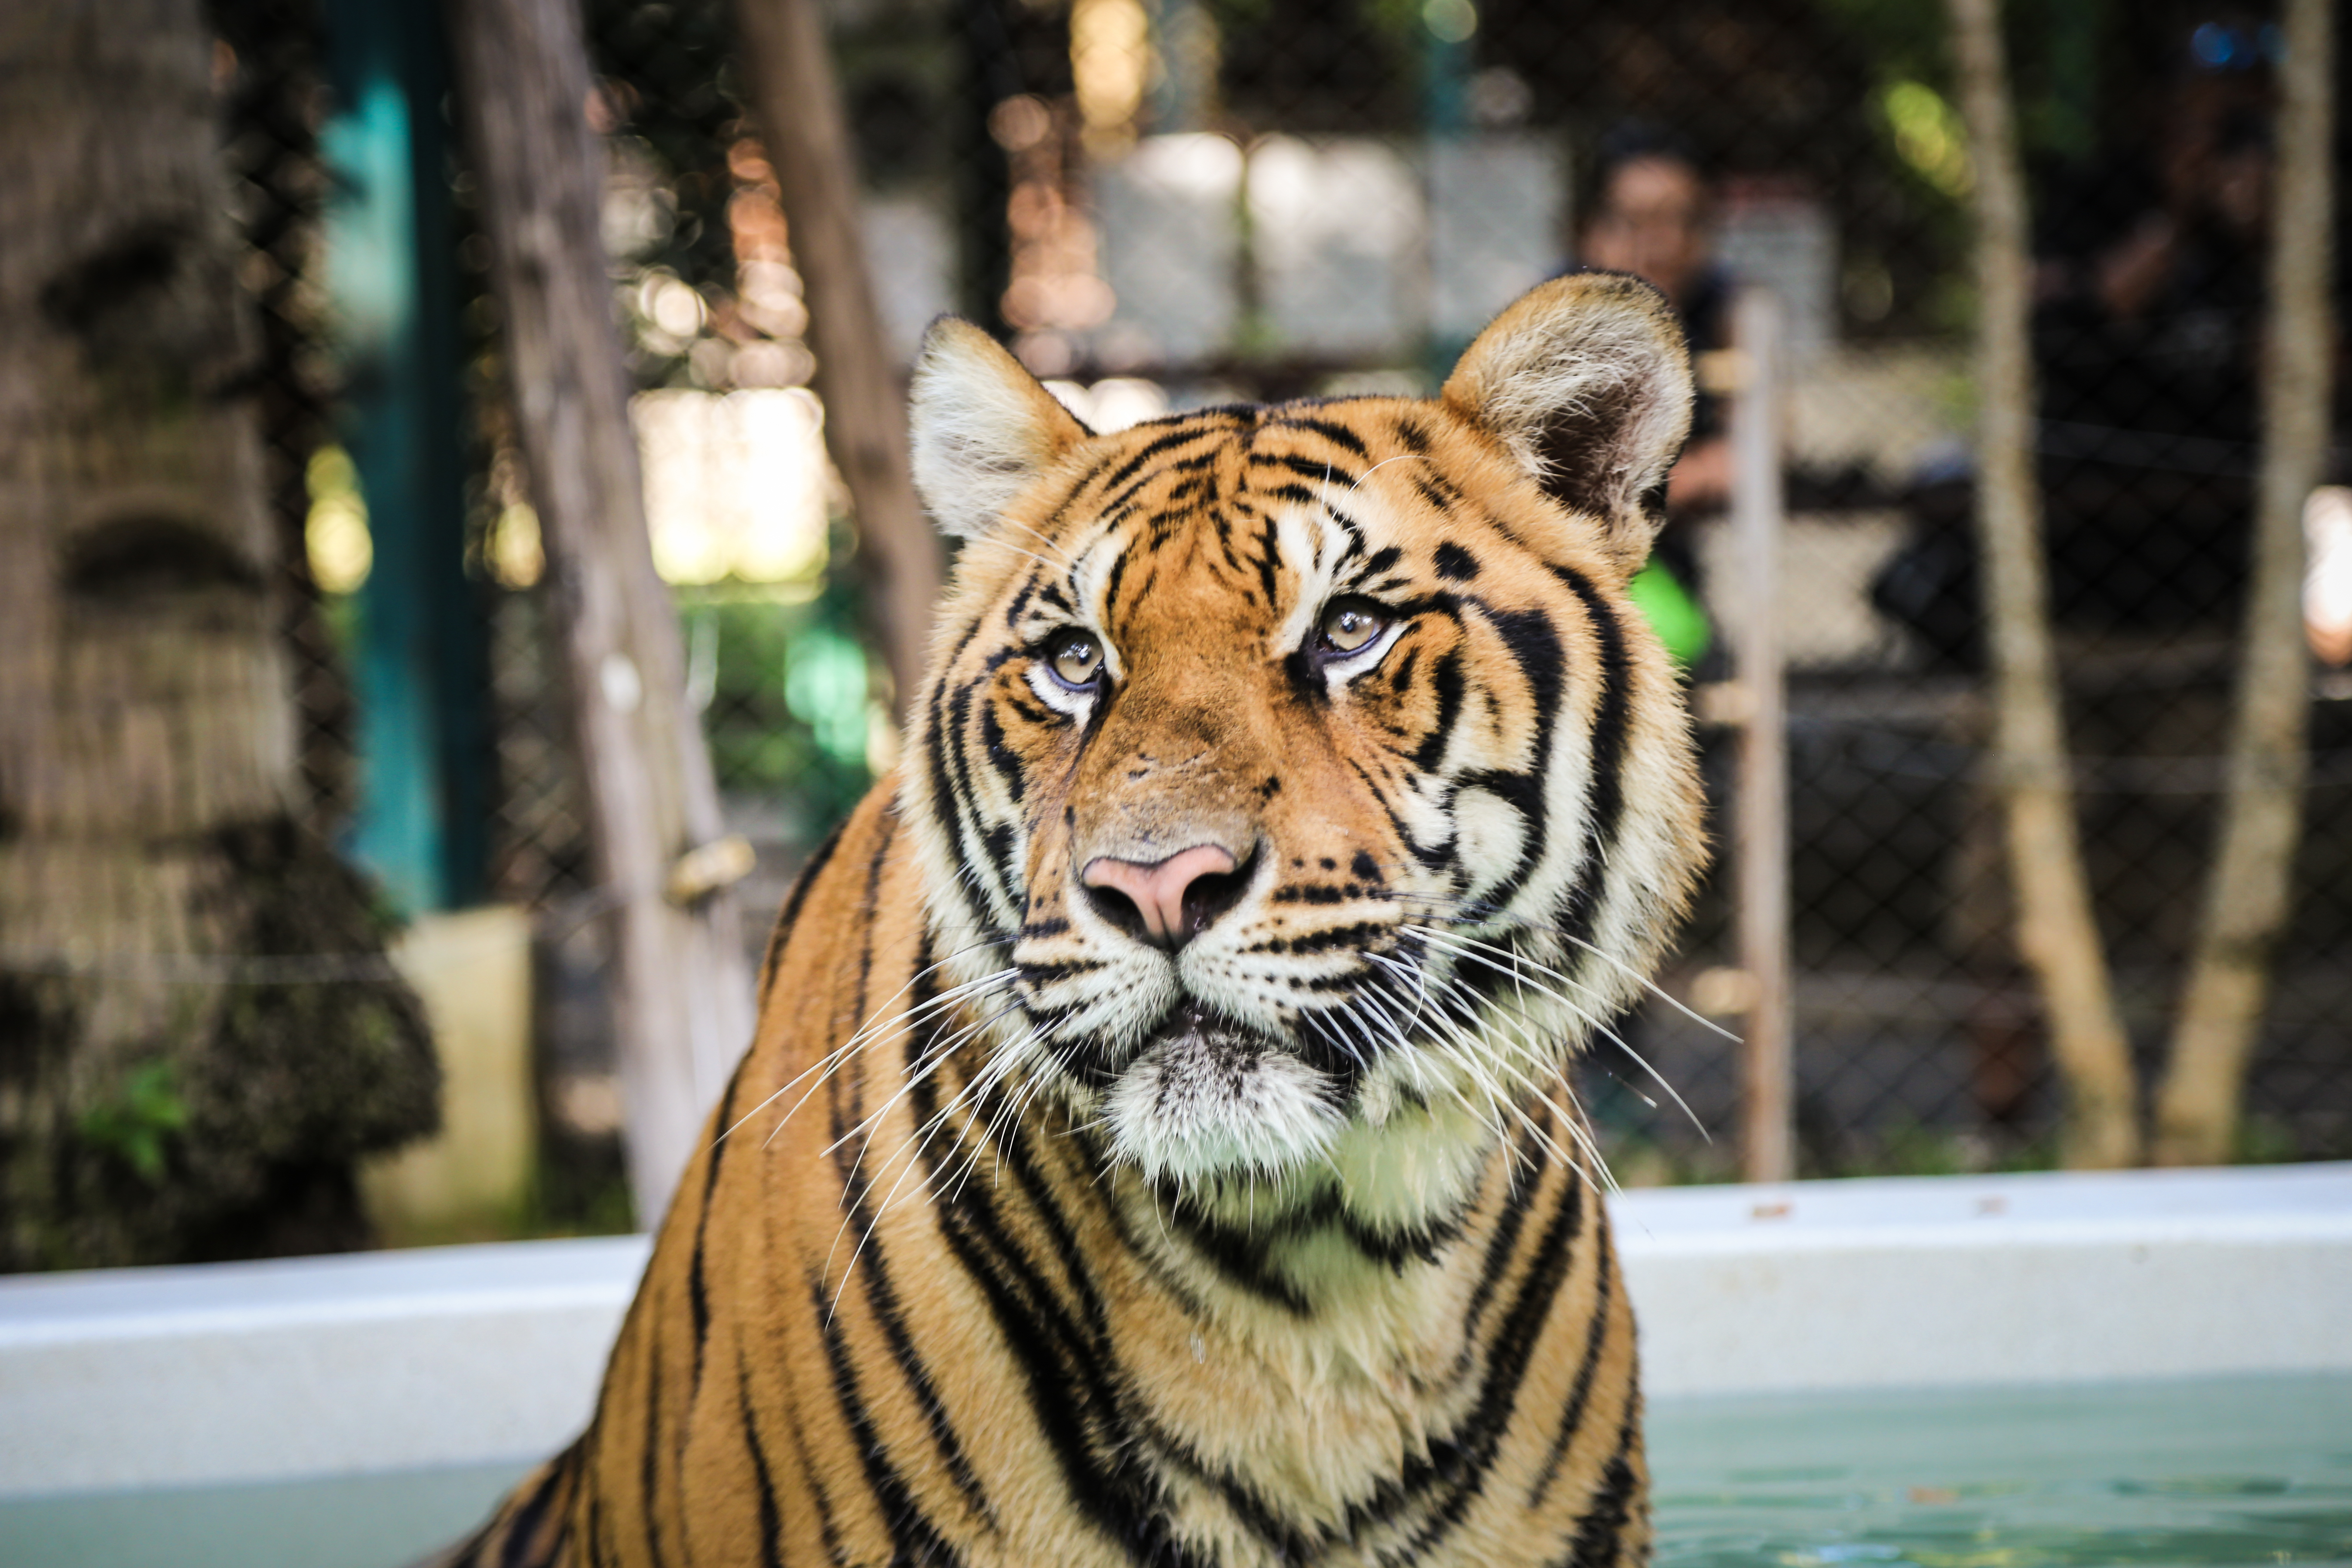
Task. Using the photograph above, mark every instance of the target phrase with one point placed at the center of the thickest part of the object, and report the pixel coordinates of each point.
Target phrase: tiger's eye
(1076, 657)
(1349, 624)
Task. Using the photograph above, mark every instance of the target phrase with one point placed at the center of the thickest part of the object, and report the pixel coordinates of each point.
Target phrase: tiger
(1157, 1146)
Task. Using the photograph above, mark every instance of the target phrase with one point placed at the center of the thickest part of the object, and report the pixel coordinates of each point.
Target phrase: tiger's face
(1297, 784)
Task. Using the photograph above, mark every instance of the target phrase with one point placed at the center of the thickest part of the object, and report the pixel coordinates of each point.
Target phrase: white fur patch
(1190, 1108)
(1595, 348)
(1493, 834)
(981, 428)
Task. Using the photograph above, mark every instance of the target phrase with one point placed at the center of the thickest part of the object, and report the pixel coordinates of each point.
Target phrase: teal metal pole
(420, 663)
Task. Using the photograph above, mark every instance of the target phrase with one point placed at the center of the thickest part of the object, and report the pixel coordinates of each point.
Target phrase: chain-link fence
(1162, 204)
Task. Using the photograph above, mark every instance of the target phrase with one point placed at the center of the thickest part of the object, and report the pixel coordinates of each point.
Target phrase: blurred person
(1654, 218)
(2150, 285)
(2154, 324)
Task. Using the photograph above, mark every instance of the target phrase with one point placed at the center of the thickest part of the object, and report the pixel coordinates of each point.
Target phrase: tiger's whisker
(1592, 1022)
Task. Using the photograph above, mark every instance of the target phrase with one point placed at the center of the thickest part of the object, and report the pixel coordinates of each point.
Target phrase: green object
(136, 1123)
(1672, 612)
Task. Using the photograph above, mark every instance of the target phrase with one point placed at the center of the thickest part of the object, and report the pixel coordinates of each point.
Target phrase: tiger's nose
(1169, 901)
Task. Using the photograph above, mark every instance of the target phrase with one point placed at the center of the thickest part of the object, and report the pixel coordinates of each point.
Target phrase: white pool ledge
(460, 1355)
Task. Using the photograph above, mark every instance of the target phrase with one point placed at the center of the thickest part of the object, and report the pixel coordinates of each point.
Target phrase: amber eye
(1075, 658)
(1350, 624)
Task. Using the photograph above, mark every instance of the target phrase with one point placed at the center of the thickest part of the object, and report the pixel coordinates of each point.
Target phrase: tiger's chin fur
(1156, 1147)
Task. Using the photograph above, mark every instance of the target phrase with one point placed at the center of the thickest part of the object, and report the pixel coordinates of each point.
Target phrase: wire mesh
(1162, 204)
(1207, 200)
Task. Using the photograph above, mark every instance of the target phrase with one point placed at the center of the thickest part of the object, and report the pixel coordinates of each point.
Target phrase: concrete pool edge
(310, 1367)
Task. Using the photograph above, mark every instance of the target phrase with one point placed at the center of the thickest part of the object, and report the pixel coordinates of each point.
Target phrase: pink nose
(1157, 891)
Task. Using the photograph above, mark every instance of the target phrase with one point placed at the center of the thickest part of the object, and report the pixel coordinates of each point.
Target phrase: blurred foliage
(790, 698)
(135, 1124)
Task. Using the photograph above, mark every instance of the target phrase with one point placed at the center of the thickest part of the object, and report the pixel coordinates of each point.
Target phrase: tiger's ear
(983, 428)
(1587, 381)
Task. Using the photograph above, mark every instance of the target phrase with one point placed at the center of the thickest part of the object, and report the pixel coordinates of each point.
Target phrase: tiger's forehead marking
(1266, 499)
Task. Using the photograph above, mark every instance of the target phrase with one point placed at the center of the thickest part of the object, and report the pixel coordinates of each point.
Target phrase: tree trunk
(2056, 929)
(163, 1095)
(2247, 892)
(682, 985)
(808, 139)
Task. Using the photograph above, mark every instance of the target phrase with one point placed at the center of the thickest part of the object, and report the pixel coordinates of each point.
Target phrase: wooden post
(2247, 891)
(2057, 930)
(682, 982)
(1769, 1090)
(808, 139)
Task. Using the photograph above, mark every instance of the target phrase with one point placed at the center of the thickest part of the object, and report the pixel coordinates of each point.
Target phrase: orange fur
(1019, 1240)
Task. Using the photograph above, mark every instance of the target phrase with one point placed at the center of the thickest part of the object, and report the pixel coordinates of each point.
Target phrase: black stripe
(1448, 683)
(1001, 757)
(970, 835)
(1600, 1534)
(1242, 1259)
(1110, 584)
(1430, 858)
(648, 1468)
(1338, 435)
(1444, 1455)
(1475, 1443)
(600, 1537)
(1440, 496)
(911, 1531)
(1612, 720)
(1305, 466)
(1349, 526)
(697, 1295)
(940, 741)
(525, 1513)
(770, 1517)
(1069, 1372)
(1527, 1161)
(1596, 1338)
(827, 1530)
(1069, 497)
(882, 1295)
(1152, 449)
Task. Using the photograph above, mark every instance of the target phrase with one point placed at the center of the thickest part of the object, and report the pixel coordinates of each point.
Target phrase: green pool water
(2243, 1471)
(2238, 1471)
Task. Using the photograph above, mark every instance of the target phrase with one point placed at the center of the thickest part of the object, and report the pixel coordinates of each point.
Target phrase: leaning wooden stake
(2247, 892)
(807, 139)
(2056, 929)
(1768, 1079)
(682, 984)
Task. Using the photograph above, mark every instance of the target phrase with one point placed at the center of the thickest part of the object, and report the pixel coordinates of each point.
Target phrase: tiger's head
(1297, 785)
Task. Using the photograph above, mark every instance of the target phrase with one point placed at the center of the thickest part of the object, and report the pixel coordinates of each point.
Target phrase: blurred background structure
(1164, 203)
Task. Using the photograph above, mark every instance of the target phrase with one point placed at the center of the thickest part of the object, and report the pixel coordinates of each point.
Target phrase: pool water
(2204, 1474)
(2241, 1471)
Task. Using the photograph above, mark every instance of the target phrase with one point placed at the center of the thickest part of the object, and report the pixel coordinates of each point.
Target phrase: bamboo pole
(808, 139)
(2057, 930)
(682, 982)
(1767, 1069)
(2251, 882)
